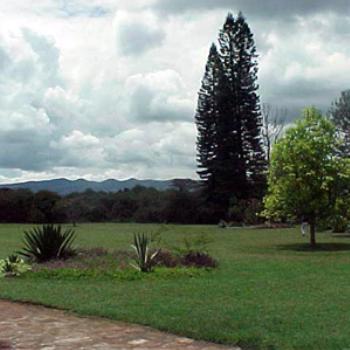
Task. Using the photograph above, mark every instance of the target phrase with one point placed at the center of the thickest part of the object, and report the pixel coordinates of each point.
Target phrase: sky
(102, 89)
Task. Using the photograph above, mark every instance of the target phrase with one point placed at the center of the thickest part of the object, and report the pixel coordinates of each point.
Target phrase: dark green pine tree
(214, 141)
(206, 118)
(239, 59)
(231, 160)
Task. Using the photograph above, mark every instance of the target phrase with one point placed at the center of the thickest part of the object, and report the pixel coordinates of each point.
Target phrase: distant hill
(65, 186)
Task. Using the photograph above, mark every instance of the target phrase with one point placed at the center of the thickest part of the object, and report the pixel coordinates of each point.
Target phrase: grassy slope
(266, 294)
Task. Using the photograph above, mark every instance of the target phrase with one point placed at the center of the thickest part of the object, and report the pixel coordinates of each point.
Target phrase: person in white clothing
(303, 228)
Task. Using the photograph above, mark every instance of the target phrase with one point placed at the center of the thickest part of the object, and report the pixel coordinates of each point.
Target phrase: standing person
(303, 226)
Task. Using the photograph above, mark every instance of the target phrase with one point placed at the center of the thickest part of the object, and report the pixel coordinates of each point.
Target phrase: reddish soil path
(29, 327)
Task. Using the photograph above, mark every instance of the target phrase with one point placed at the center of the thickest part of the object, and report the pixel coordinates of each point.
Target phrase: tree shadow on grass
(341, 235)
(325, 247)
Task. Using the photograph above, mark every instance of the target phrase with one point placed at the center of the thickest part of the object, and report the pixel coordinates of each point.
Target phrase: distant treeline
(140, 204)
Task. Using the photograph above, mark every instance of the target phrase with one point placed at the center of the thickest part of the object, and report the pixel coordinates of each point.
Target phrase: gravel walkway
(29, 327)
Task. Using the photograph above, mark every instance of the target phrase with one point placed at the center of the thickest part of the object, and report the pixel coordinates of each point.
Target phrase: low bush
(167, 259)
(193, 252)
(13, 266)
(340, 224)
(245, 212)
(198, 259)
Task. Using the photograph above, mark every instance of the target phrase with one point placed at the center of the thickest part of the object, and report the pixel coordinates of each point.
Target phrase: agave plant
(145, 259)
(48, 242)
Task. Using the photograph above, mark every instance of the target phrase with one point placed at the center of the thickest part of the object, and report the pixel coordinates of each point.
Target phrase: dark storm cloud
(299, 94)
(259, 8)
(19, 149)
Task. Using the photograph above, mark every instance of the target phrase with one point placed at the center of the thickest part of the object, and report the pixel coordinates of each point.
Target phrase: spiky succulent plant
(145, 259)
(48, 242)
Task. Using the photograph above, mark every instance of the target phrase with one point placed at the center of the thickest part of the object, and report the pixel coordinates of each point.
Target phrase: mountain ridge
(64, 186)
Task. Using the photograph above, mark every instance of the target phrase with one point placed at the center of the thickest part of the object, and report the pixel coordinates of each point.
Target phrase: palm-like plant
(48, 242)
(145, 260)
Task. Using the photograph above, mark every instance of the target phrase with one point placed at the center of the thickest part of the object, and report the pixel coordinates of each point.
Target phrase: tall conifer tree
(206, 119)
(238, 53)
(230, 153)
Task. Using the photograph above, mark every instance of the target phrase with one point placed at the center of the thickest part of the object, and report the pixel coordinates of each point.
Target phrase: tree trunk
(313, 234)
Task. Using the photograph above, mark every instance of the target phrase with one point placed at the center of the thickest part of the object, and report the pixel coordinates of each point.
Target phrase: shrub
(198, 259)
(166, 258)
(194, 252)
(48, 242)
(341, 217)
(339, 224)
(145, 260)
(252, 210)
(246, 211)
(13, 266)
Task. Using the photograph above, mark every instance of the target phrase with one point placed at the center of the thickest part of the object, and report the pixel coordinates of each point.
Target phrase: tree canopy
(340, 115)
(307, 175)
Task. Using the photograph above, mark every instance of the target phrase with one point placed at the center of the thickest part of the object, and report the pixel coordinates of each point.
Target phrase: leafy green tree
(307, 175)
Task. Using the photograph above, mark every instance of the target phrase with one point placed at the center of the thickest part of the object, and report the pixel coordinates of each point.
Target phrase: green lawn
(268, 293)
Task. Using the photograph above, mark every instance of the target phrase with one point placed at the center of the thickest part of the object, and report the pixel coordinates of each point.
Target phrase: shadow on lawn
(341, 235)
(305, 247)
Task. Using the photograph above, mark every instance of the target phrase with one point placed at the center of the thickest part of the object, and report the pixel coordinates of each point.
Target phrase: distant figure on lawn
(303, 227)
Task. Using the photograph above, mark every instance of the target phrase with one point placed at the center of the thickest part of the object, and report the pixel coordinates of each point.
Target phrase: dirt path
(29, 327)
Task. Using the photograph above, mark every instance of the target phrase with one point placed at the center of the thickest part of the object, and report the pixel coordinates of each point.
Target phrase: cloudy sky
(107, 88)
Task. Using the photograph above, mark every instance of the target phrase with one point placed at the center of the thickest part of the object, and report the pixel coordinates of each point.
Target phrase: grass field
(268, 292)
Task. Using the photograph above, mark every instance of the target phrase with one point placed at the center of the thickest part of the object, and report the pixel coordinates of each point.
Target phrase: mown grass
(269, 292)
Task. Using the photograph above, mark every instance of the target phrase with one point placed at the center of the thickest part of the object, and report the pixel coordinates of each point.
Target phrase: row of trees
(178, 205)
